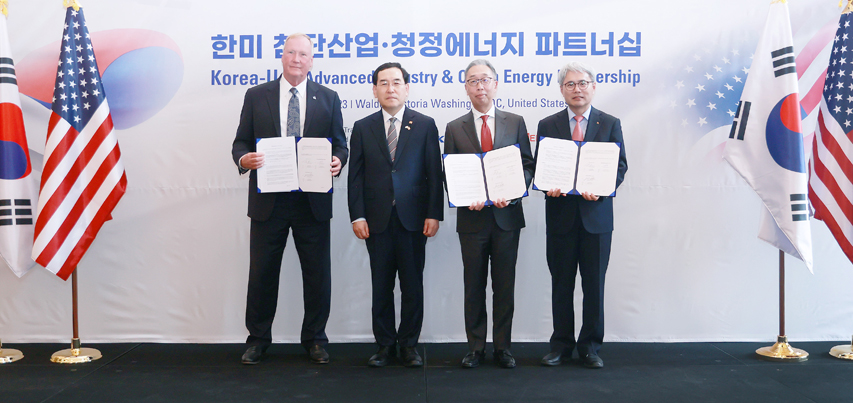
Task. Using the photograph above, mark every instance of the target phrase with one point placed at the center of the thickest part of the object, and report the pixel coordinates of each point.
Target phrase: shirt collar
(478, 114)
(399, 115)
(585, 114)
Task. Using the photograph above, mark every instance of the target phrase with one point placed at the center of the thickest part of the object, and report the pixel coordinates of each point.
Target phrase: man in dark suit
(395, 203)
(579, 228)
(289, 106)
(488, 231)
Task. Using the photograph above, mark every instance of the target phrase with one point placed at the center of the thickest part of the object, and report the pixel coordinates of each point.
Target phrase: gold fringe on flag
(71, 3)
(849, 6)
(4, 7)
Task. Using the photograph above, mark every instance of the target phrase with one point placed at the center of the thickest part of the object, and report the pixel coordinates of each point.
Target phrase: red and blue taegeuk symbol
(14, 153)
(784, 134)
(141, 72)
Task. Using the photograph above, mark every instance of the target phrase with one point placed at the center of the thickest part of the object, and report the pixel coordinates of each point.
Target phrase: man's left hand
(430, 227)
(336, 166)
(589, 196)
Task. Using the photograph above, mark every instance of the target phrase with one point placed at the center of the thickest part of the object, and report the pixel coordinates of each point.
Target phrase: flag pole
(844, 351)
(75, 354)
(781, 350)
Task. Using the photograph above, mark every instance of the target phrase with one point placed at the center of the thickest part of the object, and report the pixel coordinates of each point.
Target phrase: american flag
(83, 176)
(831, 182)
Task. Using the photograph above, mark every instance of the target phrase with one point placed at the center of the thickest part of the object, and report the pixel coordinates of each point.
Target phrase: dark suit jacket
(596, 216)
(460, 137)
(260, 119)
(413, 180)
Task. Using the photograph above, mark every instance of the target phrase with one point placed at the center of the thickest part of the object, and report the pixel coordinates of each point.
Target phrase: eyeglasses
(395, 84)
(582, 84)
(475, 82)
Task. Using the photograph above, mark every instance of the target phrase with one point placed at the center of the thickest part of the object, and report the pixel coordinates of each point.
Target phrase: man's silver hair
(576, 67)
(481, 62)
(299, 35)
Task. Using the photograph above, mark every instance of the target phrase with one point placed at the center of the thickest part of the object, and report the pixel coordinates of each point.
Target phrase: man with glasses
(395, 203)
(488, 232)
(289, 106)
(579, 228)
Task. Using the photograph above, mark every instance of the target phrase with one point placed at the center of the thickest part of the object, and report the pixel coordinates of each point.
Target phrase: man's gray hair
(481, 62)
(299, 35)
(576, 67)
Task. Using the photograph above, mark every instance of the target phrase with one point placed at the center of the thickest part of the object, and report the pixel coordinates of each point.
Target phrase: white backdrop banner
(172, 265)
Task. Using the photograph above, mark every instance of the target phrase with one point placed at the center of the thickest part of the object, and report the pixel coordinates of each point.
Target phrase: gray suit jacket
(460, 137)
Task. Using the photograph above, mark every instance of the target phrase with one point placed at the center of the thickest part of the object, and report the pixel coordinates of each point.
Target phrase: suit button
(393, 171)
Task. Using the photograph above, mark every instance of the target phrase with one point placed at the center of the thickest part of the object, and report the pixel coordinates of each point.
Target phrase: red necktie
(577, 134)
(485, 136)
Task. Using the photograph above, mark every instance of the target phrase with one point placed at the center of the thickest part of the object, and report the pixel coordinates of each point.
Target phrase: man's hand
(555, 193)
(430, 227)
(360, 229)
(589, 196)
(336, 168)
(501, 203)
(477, 206)
(252, 160)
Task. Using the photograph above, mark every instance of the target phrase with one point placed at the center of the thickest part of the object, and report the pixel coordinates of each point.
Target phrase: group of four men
(396, 201)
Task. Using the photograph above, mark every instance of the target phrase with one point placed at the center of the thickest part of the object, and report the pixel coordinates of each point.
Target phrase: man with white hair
(579, 228)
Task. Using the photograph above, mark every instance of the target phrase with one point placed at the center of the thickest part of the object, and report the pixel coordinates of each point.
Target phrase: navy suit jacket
(260, 118)
(460, 137)
(412, 182)
(596, 216)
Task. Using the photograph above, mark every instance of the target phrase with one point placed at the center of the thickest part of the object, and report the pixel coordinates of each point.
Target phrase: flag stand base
(782, 351)
(9, 355)
(75, 355)
(844, 352)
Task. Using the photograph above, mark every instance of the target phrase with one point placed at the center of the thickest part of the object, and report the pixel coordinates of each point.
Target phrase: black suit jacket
(596, 216)
(261, 118)
(460, 137)
(412, 181)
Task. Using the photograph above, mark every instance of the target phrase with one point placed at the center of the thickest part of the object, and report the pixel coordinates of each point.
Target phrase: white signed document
(597, 168)
(555, 164)
(497, 174)
(597, 165)
(314, 156)
(279, 171)
(465, 182)
(504, 173)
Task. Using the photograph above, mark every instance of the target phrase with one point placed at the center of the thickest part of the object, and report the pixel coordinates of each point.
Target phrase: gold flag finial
(779, 1)
(71, 3)
(4, 7)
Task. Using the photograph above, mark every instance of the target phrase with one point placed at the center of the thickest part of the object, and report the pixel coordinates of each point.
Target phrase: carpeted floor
(633, 372)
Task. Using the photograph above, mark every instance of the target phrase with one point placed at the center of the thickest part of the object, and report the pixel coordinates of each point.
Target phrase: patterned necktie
(293, 129)
(392, 137)
(485, 135)
(577, 134)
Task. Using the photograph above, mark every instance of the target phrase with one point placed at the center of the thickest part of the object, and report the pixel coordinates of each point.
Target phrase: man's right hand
(252, 160)
(360, 229)
(555, 193)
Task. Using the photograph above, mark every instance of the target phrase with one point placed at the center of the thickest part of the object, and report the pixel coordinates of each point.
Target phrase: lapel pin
(314, 97)
(410, 122)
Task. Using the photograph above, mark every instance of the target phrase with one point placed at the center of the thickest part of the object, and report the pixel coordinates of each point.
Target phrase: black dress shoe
(504, 359)
(382, 357)
(318, 354)
(552, 359)
(592, 361)
(411, 358)
(472, 359)
(253, 355)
